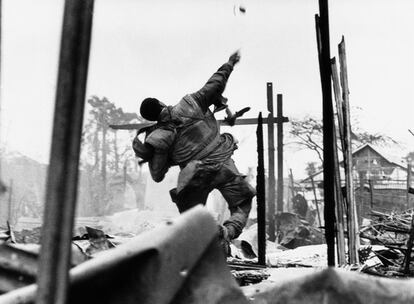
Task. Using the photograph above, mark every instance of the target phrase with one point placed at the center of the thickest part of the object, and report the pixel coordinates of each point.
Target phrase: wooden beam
(239, 121)
(409, 173)
(340, 206)
(316, 200)
(292, 182)
(261, 195)
(10, 204)
(338, 100)
(280, 153)
(322, 35)
(3, 187)
(340, 210)
(353, 234)
(271, 170)
(371, 187)
(62, 177)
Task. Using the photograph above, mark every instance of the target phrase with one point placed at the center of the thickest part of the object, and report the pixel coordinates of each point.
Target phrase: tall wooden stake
(338, 101)
(10, 204)
(261, 199)
(340, 206)
(271, 170)
(353, 236)
(340, 212)
(371, 187)
(2, 185)
(408, 182)
(322, 31)
(292, 182)
(62, 180)
(279, 153)
(316, 201)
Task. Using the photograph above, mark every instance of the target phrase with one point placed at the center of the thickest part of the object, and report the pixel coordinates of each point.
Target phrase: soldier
(188, 135)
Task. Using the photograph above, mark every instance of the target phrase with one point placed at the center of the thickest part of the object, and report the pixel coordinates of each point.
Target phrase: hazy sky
(166, 49)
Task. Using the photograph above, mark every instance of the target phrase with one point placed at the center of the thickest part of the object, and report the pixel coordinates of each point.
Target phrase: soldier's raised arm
(211, 92)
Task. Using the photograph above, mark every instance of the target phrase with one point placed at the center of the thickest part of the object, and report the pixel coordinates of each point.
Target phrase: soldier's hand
(234, 58)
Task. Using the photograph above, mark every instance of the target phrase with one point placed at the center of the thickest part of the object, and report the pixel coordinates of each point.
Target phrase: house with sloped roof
(370, 163)
(380, 180)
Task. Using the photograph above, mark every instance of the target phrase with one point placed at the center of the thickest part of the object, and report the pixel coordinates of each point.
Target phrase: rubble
(249, 277)
(388, 254)
(294, 232)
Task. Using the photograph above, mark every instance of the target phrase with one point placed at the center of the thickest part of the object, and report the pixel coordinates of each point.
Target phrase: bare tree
(307, 133)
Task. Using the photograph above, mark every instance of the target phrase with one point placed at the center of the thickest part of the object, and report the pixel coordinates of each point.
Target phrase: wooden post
(279, 153)
(353, 244)
(340, 233)
(322, 36)
(292, 182)
(316, 200)
(3, 187)
(340, 206)
(271, 170)
(261, 199)
(62, 180)
(10, 204)
(371, 187)
(408, 182)
(338, 101)
(360, 205)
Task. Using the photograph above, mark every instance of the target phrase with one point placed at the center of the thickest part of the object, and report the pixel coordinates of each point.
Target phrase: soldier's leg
(239, 194)
(189, 198)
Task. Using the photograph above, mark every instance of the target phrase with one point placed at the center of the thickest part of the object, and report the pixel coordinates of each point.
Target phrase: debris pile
(390, 252)
(247, 272)
(295, 232)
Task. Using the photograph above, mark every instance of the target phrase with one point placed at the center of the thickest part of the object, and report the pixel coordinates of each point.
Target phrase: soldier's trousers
(235, 189)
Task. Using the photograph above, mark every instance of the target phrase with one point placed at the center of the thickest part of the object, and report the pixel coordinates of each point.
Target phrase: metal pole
(279, 153)
(63, 169)
(261, 199)
(322, 30)
(271, 153)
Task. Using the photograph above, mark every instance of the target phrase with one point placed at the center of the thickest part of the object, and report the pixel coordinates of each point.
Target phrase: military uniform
(188, 135)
